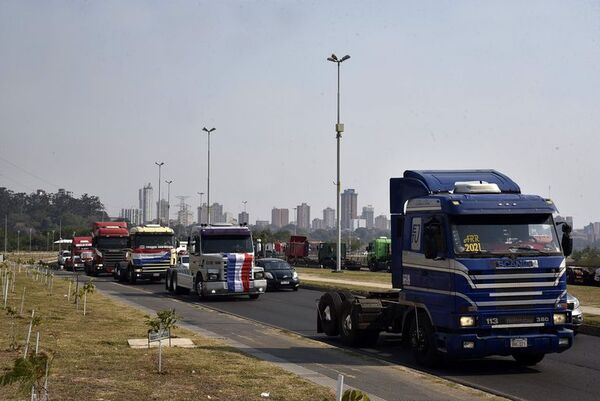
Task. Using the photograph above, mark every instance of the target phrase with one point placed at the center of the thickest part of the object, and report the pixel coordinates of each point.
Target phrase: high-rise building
(262, 223)
(216, 213)
(228, 217)
(349, 199)
(382, 222)
(280, 217)
(244, 218)
(368, 213)
(133, 215)
(328, 218)
(202, 214)
(184, 216)
(317, 224)
(146, 195)
(303, 216)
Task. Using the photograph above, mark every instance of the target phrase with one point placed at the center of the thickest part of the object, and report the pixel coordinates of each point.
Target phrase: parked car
(597, 276)
(576, 312)
(62, 257)
(279, 274)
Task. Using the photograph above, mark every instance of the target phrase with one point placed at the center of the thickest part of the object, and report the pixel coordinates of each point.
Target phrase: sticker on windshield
(472, 243)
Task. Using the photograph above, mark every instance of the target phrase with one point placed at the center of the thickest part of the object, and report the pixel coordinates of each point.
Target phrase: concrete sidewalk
(591, 310)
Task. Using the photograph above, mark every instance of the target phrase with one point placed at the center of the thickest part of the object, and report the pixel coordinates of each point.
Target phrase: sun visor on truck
(403, 189)
(444, 180)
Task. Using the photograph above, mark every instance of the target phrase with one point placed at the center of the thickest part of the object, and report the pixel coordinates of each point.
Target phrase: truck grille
(113, 258)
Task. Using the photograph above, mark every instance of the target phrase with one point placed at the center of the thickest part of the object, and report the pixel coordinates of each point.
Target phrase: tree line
(45, 216)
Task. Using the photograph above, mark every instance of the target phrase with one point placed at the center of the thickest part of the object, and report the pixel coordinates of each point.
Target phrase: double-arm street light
(158, 204)
(339, 128)
(208, 131)
(169, 182)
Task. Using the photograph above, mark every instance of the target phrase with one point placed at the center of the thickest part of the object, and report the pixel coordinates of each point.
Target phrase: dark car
(279, 274)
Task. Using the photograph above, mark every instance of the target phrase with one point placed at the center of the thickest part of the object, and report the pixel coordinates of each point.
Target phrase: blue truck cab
(483, 261)
(478, 269)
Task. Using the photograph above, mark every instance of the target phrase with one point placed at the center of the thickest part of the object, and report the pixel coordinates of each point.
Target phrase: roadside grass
(92, 360)
(587, 295)
(26, 257)
(366, 276)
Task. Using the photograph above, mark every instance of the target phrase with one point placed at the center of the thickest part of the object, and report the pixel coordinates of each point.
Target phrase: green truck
(327, 254)
(379, 254)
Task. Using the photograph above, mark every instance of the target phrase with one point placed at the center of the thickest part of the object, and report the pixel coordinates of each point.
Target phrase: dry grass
(587, 295)
(92, 360)
(365, 276)
(591, 320)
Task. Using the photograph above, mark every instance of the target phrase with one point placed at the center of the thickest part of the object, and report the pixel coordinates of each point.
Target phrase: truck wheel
(168, 284)
(198, 288)
(131, 276)
(350, 333)
(177, 289)
(422, 341)
(329, 309)
(528, 358)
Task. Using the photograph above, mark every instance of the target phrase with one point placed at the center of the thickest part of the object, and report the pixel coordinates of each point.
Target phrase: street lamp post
(200, 214)
(208, 131)
(168, 202)
(158, 203)
(18, 241)
(30, 240)
(339, 128)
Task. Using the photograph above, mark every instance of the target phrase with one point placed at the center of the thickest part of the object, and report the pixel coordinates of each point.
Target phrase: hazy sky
(92, 93)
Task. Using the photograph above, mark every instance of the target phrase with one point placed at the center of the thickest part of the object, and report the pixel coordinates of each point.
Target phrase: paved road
(573, 374)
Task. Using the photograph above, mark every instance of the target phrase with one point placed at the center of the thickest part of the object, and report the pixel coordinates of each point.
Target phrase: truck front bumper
(143, 274)
(476, 346)
(220, 288)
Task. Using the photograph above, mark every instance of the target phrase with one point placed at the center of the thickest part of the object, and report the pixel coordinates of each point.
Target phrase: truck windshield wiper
(524, 248)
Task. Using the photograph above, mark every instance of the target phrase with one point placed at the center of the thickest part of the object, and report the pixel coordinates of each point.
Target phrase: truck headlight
(213, 277)
(259, 275)
(269, 275)
(560, 318)
(467, 321)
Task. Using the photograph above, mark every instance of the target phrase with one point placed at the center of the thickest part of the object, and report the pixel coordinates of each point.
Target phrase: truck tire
(528, 358)
(131, 276)
(422, 341)
(177, 289)
(168, 283)
(198, 287)
(350, 334)
(329, 308)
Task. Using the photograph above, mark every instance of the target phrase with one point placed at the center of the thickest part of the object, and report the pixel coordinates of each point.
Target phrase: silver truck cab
(221, 262)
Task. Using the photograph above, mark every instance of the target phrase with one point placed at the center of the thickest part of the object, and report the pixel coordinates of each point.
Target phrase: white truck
(221, 263)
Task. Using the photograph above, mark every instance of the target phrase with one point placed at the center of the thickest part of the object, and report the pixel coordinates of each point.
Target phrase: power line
(27, 172)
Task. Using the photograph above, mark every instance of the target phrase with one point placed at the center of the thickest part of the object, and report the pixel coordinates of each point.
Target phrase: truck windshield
(154, 241)
(226, 244)
(112, 242)
(504, 235)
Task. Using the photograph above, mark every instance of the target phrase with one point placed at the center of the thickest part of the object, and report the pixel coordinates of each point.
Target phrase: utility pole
(158, 203)
(18, 241)
(5, 233)
(208, 131)
(169, 182)
(339, 128)
(201, 208)
(30, 240)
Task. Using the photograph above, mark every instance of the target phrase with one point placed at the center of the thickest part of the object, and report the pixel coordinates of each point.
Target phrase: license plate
(156, 274)
(518, 343)
(285, 282)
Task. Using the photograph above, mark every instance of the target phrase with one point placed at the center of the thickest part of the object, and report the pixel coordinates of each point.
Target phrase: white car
(183, 261)
(63, 256)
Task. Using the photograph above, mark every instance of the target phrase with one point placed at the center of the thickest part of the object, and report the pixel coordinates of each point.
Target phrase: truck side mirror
(567, 240)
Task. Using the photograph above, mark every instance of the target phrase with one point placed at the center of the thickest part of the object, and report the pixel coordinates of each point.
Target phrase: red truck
(110, 240)
(78, 249)
(300, 250)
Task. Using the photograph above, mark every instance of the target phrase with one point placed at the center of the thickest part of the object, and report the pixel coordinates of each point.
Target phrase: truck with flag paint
(152, 250)
(478, 269)
(221, 262)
